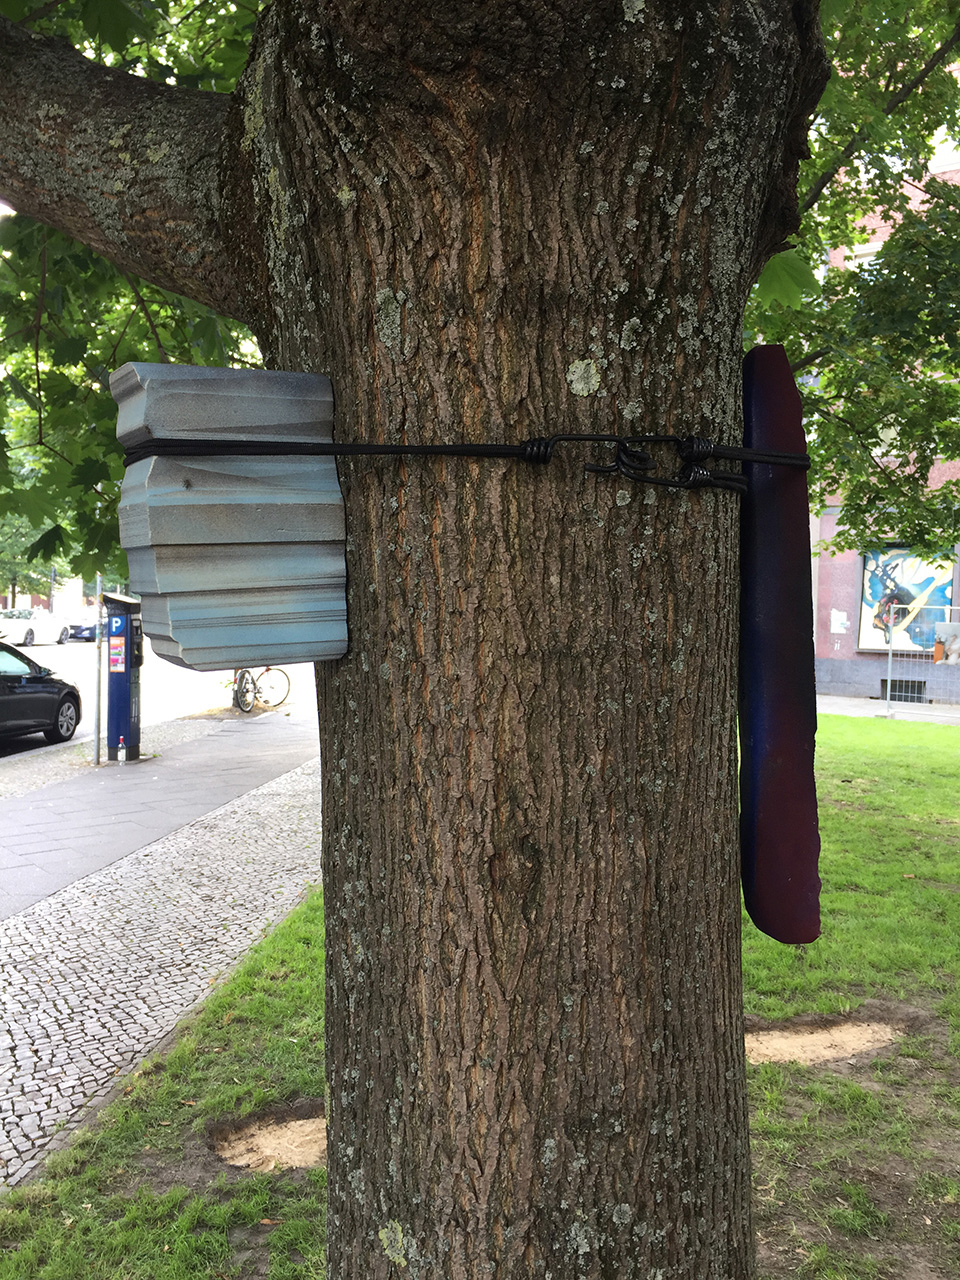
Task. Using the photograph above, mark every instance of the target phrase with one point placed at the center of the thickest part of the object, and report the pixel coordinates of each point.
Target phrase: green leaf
(69, 350)
(48, 544)
(22, 392)
(16, 10)
(89, 473)
(113, 22)
(32, 504)
(832, 14)
(787, 279)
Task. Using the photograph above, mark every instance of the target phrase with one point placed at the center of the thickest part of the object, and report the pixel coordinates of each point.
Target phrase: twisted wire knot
(537, 449)
(695, 449)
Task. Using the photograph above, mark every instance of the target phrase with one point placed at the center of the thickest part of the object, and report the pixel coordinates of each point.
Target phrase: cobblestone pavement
(94, 976)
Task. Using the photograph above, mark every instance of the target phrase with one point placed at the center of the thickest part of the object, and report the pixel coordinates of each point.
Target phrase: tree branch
(37, 330)
(127, 166)
(812, 358)
(36, 14)
(860, 137)
(164, 357)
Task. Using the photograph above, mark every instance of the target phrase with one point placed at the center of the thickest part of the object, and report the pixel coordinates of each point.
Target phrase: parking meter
(124, 660)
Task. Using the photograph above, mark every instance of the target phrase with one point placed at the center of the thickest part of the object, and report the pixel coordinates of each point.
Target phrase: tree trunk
(489, 223)
(535, 1051)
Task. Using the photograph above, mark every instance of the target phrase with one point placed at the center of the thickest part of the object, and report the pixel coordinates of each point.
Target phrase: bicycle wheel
(246, 690)
(273, 687)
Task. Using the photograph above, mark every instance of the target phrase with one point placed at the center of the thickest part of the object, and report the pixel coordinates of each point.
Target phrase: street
(167, 692)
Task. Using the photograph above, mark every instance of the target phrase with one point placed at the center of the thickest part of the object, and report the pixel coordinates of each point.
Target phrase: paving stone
(93, 976)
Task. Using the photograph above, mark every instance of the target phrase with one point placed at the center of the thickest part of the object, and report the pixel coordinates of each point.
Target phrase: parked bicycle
(269, 688)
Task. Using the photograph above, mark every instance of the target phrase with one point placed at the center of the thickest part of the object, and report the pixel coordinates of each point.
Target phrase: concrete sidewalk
(94, 977)
(59, 833)
(930, 712)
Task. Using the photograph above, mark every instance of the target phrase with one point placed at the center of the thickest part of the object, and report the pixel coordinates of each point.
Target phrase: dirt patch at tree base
(282, 1138)
(810, 1044)
(296, 1144)
(813, 1038)
(857, 1157)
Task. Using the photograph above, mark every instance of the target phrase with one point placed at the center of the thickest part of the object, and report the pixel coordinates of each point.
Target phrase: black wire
(192, 448)
(536, 449)
(632, 461)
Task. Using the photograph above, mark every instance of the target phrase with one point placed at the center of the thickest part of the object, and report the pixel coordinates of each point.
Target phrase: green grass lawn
(889, 796)
(140, 1196)
(857, 1164)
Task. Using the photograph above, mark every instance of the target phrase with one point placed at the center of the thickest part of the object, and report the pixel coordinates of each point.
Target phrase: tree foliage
(68, 318)
(876, 345)
(881, 400)
(883, 392)
(21, 560)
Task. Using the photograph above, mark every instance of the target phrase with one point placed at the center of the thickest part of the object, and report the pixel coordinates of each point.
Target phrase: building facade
(885, 615)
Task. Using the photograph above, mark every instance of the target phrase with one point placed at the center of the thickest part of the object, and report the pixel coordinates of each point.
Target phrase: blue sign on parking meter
(124, 659)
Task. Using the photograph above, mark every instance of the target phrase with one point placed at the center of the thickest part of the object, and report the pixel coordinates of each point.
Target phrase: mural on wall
(907, 593)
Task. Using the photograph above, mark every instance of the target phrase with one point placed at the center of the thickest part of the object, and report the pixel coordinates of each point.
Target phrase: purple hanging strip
(779, 835)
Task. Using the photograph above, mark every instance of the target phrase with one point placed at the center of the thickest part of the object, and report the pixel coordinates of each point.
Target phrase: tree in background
(68, 317)
(877, 345)
(485, 223)
(21, 572)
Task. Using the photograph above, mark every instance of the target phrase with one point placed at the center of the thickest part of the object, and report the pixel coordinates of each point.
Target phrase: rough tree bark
(492, 222)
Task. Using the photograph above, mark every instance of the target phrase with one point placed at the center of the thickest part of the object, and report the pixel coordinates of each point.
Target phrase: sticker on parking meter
(118, 624)
(118, 653)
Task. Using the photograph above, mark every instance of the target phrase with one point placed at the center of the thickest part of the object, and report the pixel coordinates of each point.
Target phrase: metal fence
(923, 653)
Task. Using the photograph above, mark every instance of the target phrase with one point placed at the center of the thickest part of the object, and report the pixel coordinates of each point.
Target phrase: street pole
(893, 618)
(96, 700)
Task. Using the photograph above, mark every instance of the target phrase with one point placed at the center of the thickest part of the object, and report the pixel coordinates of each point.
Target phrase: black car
(34, 700)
